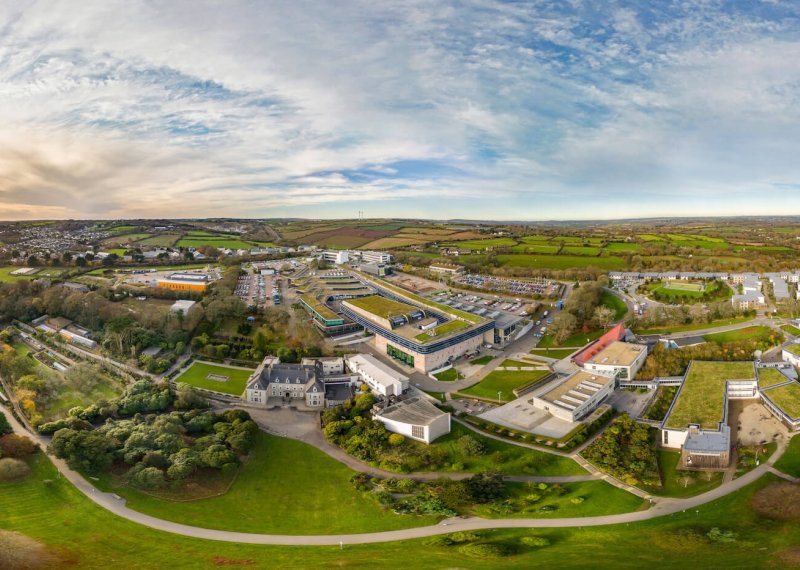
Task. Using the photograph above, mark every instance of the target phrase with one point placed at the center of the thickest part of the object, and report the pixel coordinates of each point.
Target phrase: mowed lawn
(614, 303)
(746, 333)
(285, 487)
(503, 381)
(789, 462)
(197, 375)
(81, 534)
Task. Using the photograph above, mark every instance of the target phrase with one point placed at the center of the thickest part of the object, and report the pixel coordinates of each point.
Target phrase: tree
(90, 451)
(186, 397)
(564, 324)
(18, 446)
(5, 427)
(486, 487)
(603, 316)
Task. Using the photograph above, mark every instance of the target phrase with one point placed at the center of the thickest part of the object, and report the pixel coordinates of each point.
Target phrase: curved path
(116, 505)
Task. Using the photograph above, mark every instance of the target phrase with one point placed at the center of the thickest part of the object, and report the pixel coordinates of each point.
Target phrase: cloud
(477, 109)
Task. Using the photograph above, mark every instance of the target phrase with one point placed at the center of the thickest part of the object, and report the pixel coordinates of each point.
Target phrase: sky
(425, 109)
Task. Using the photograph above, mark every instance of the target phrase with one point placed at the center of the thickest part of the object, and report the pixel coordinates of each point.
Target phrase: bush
(535, 541)
(486, 550)
(11, 469)
(720, 536)
(5, 427)
(396, 439)
(16, 446)
(471, 446)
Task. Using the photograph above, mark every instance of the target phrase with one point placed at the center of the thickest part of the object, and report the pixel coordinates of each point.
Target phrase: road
(666, 507)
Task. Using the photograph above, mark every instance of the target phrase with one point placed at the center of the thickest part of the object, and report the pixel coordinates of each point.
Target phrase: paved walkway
(117, 506)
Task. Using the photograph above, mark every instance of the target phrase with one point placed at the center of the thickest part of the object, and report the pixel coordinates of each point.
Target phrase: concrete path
(117, 506)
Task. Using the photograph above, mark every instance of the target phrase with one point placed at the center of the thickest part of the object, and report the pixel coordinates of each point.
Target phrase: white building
(618, 359)
(182, 306)
(381, 379)
(335, 256)
(446, 268)
(375, 257)
(791, 354)
(416, 418)
(575, 396)
(748, 300)
(330, 364)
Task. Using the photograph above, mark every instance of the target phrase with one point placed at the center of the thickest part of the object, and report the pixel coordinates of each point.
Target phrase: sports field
(216, 377)
(684, 285)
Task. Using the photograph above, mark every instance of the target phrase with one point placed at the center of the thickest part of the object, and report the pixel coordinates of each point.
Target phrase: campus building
(381, 379)
(305, 385)
(417, 332)
(195, 282)
(610, 356)
(576, 396)
(446, 268)
(335, 256)
(416, 418)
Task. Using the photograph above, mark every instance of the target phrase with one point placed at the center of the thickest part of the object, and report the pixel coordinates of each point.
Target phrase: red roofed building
(615, 334)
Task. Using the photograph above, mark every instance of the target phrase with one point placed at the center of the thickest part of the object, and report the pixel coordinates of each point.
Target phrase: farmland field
(218, 242)
(161, 240)
(482, 243)
(561, 261)
(396, 241)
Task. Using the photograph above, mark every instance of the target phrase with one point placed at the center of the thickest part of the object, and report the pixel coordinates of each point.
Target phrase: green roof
(701, 398)
(381, 306)
(787, 398)
(442, 329)
(320, 308)
(793, 348)
(769, 377)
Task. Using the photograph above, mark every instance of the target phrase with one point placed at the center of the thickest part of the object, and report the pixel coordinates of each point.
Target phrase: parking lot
(253, 289)
(512, 286)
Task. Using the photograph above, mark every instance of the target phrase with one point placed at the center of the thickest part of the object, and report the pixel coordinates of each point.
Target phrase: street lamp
(498, 394)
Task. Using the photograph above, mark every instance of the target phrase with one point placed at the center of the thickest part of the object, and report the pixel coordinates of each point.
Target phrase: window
(418, 432)
(666, 437)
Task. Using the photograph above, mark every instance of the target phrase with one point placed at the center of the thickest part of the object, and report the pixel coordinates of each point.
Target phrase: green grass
(614, 303)
(789, 462)
(160, 240)
(218, 242)
(617, 247)
(693, 326)
(6, 277)
(448, 327)
(746, 333)
(505, 457)
(552, 352)
(482, 243)
(449, 375)
(673, 486)
(581, 250)
(481, 360)
(577, 340)
(197, 375)
(701, 397)
(67, 397)
(50, 513)
(769, 377)
(787, 398)
(509, 363)
(381, 306)
(650, 237)
(598, 498)
(561, 261)
(536, 248)
(793, 348)
(503, 381)
(791, 329)
(279, 490)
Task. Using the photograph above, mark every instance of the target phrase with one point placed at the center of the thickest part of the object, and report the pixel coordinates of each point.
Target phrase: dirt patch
(791, 556)
(752, 424)
(219, 561)
(20, 552)
(779, 501)
(344, 237)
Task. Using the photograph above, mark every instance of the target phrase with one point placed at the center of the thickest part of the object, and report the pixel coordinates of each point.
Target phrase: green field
(449, 375)
(197, 375)
(485, 359)
(693, 326)
(692, 286)
(791, 329)
(160, 240)
(746, 333)
(789, 462)
(6, 277)
(503, 381)
(701, 398)
(279, 490)
(222, 242)
(617, 247)
(577, 340)
(562, 261)
(48, 513)
(552, 352)
(615, 304)
(479, 244)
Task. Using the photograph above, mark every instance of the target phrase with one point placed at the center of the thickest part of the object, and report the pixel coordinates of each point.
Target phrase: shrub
(486, 550)
(471, 446)
(396, 439)
(17, 446)
(5, 427)
(721, 536)
(11, 469)
(466, 536)
(535, 541)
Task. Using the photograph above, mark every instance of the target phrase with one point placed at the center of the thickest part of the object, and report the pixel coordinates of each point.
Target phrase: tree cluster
(626, 450)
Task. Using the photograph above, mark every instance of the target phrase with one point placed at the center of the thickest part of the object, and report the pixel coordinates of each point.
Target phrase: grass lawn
(701, 398)
(438, 395)
(381, 306)
(509, 363)
(693, 326)
(552, 352)
(68, 397)
(443, 329)
(449, 375)
(6, 277)
(584, 499)
(197, 375)
(746, 333)
(49, 514)
(577, 340)
(674, 485)
(503, 381)
(485, 359)
(505, 457)
(615, 304)
(791, 329)
(789, 462)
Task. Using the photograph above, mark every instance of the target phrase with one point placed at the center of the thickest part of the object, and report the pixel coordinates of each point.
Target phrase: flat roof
(414, 411)
(787, 398)
(576, 389)
(377, 369)
(770, 377)
(701, 397)
(618, 353)
(793, 348)
(381, 306)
